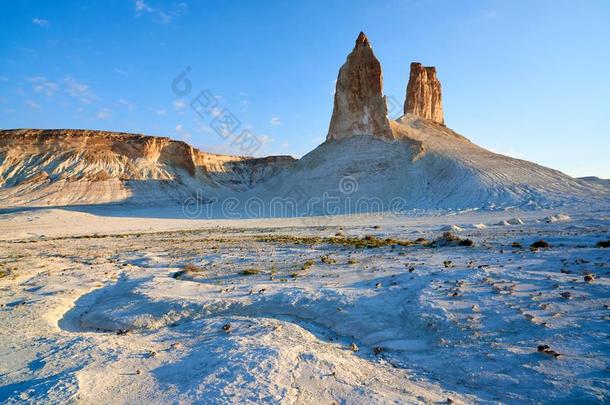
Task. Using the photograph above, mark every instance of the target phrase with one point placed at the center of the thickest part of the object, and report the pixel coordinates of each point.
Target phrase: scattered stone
(566, 294)
(546, 349)
(226, 327)
(589, 277)
(353, 347)
(176, 345)
(377, 350)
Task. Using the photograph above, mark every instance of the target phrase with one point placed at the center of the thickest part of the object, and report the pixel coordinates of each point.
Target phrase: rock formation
(66, 167)
(424, 94)
(360, 106)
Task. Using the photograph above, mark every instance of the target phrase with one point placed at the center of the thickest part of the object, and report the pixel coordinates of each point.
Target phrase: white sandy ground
(451, 322)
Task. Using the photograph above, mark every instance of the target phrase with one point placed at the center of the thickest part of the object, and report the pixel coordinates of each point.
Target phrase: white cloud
(179, 104)
(184, 134)
(275, 120)
(103, 114)
(265, 139)
(41, 22)
(40, 84)
(141, 7)
(162, 16)
(32, 104)
(78, 90)
(161, 112)
(126, 103)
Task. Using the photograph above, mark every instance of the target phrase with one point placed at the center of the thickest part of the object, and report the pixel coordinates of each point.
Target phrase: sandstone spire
(360, 106)
(424, 94)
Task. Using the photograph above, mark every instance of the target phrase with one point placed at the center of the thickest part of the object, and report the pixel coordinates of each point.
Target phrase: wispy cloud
(41, 22)
(121, 72)
(184, 134)
(41, 84)
(79, 90)
(130, 105)
(32, 104)
(142, 7)
(103, 114)
(161, 15)
(161, 112)
(179, 104)
(275, 120)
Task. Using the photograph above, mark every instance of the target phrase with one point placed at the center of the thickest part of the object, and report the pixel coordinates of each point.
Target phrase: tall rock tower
(424, 94)
(360, 106)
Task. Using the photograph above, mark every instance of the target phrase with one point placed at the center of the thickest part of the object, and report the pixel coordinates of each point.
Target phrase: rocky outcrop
(65, 167)
(424, 94)
(359, 106)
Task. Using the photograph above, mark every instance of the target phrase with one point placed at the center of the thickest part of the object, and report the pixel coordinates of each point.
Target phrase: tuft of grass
(326, 259)
(308, 264)
(193, 268)
(189, 269)
(449, 239)
(351, 260)
(250, 272)
(516, 245)
(368, 241)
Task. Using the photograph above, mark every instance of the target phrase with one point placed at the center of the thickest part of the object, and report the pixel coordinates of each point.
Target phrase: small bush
(351, 260)
(603, 243)
(250, 272)
(540, 244)
(192, 268)
(189, 269)
(449, 239)
(516, 245)
(308, 264)
(326, 259)
(466, 242)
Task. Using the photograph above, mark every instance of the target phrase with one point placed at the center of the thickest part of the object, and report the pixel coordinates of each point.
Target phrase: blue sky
(525, 78)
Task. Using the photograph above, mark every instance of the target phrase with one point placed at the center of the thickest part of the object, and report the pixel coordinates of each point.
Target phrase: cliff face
(424, 94)
(359, 106)
(82, 166)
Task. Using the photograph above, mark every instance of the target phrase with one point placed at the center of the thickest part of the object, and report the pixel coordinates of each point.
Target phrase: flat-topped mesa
(424, 94)
(360, 107)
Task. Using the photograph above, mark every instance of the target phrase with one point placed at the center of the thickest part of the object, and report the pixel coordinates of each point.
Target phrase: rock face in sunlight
(360, 106)
(68, 167)
(424, 97)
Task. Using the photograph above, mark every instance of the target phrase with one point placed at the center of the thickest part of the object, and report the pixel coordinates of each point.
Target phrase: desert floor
(119, 306)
